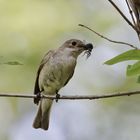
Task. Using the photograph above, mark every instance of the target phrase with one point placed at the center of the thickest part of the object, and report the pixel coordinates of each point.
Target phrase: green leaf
(133, 69)
(138, 80)
(13, 63)
(128, 55)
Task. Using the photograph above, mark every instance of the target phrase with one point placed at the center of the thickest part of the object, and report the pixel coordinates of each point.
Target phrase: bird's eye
(73, 43)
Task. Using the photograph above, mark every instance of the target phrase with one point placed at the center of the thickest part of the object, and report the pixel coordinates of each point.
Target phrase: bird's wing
(36, 88)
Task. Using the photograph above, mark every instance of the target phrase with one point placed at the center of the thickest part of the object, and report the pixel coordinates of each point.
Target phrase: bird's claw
(37, 98)
(57, 97)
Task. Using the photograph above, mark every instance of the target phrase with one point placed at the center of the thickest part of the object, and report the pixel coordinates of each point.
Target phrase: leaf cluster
(131, 70)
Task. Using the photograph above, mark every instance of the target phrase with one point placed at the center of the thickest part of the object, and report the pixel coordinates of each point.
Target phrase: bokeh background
(28, 29)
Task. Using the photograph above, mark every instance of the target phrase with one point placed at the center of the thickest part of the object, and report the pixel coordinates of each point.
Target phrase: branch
(110, 40)
(121, 13)
(75, 97)
(130, 11)
(133, 19)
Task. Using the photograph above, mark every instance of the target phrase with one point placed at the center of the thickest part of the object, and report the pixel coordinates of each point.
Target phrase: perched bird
(55, 70)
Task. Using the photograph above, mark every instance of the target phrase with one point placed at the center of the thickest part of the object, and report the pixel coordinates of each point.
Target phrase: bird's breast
(55, 73)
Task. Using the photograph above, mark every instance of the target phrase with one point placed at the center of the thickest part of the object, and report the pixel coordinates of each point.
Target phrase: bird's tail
(43, 114)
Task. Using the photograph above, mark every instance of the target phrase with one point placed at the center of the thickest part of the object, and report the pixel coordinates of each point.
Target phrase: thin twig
(110, 40)
(121, 13)
(74, 97)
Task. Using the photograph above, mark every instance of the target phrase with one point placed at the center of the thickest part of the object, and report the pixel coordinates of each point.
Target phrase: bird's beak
(88, 46)
(88, 49)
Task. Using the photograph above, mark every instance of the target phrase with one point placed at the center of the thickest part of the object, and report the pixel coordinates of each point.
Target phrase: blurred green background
(28, 29)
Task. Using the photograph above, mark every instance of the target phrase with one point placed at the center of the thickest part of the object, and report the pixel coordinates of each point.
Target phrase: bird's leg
(38, 95)
(57, 96)
(37, 98)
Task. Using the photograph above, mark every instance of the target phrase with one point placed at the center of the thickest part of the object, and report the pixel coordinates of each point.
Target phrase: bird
(54, 72)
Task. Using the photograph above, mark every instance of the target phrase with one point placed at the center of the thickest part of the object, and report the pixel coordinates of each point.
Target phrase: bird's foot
(57, 97)
(37, 98)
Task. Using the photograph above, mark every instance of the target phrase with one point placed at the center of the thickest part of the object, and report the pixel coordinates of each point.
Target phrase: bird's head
(76, 47)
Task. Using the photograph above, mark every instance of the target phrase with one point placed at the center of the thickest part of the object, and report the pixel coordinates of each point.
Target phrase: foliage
(132, 70)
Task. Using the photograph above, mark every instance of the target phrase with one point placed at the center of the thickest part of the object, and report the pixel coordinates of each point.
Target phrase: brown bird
(55, 70)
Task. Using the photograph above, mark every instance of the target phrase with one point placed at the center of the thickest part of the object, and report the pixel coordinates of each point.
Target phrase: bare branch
(133, 5)
(74, 97)
(131, 13)
(121, 13)
(110, 40)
